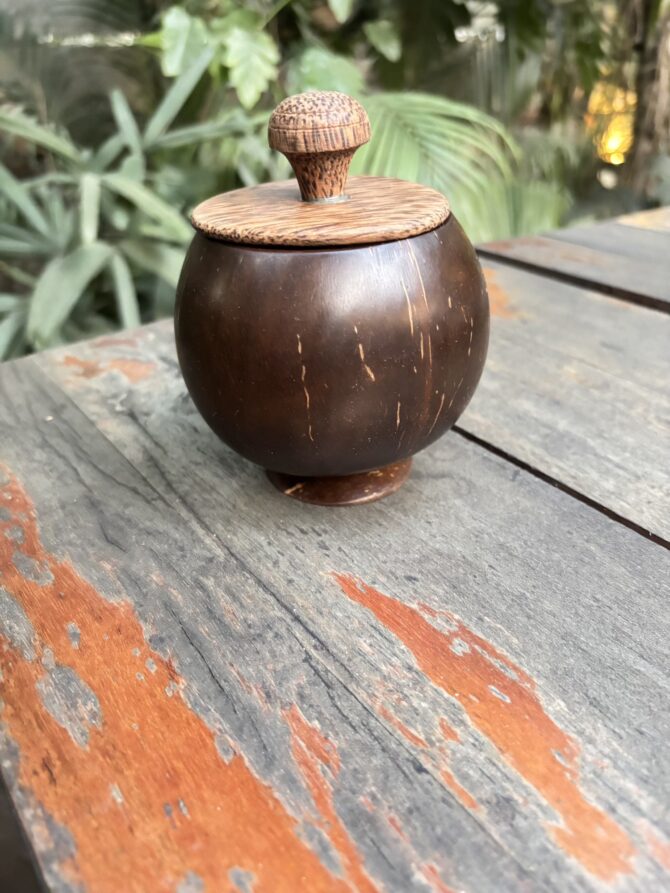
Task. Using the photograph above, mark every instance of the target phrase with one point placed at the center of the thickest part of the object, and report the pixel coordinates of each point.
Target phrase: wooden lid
(379, 209)
(319, 133)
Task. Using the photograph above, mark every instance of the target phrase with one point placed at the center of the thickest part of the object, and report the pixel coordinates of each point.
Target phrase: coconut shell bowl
(330, 328)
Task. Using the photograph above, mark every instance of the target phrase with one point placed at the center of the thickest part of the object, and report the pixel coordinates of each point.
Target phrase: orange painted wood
(379, 209)
(167, 724)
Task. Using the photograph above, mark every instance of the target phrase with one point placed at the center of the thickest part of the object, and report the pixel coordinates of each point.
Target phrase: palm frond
(429, 139)
(15, 122)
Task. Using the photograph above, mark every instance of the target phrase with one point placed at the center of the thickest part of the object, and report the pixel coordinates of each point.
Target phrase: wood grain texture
(169, 724)
(508, 639)
(319, 133)
(576, 385)
(379, 209)
(623, 261)
(318, 121)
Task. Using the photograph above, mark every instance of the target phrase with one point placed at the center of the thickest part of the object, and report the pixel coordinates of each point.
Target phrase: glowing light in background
(610, 118)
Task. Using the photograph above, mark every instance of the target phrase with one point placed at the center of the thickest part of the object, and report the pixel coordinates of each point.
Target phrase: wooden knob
(319, 133)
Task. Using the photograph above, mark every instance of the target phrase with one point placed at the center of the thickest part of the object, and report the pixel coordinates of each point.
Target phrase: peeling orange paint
(394, 822)
(406, 732)
(448, 777)
(83, 368)
(448, 732)
(659, 848)
(133, 370)
(114, 341)
(446, 774)
(148, 798)
(502, 703)
(464, 796)
(498, 297)
(311, 752)
(431, 874)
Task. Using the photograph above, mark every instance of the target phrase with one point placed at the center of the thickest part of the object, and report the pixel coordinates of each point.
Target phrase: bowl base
(348, 489)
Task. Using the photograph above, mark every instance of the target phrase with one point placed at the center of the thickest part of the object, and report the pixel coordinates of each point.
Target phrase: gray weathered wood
(622, 260)
(657, 219)
(547, 583)
(576, 385)
(193, 731)
(645, 248)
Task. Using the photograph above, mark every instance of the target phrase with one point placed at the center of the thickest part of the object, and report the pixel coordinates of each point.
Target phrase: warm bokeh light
(610, 118)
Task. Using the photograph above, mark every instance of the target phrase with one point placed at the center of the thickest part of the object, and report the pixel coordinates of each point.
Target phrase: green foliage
(182, 37)
(318, 68)
(251, 58)
(341, 9)
(451, 146)
(91, 230)
(236, 42)
(384, 37)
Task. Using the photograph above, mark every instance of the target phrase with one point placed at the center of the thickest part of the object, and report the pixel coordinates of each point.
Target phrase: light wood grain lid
(378, 209)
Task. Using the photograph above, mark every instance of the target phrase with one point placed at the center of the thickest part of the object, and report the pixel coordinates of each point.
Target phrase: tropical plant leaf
(16, 122)
(133, 168)
(196, 133)
(108, 152)
(89, 203)
(514, 207)
(384, 37)
(125, 121)
(23, 240)
(445, 144)
(164, 261)
(341, 9)
(17, 274)
(176, 96)
(20, 247)
(62, 218)
(251, 57)
(9, 302)
(150, 204)
(59, 287)
(16, 192)
(11, 327)
(124, 289)
(317, 68)
(183, 37)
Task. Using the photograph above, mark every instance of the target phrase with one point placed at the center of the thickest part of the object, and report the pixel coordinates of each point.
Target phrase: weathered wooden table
(210, 687)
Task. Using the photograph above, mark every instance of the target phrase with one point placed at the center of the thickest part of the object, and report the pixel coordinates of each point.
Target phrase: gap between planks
(564, 488)
(629, 297)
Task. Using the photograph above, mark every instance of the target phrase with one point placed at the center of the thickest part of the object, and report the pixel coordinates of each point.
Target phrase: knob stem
(319, 132)
(322, 176)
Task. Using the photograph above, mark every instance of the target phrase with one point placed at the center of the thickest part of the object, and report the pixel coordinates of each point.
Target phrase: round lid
(319, 133)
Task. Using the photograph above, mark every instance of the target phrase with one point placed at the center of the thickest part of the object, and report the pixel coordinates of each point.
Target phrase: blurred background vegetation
(117, 116)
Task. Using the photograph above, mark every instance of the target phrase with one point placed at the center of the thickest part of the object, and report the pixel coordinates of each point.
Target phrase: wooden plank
(576, 386)
(171, 723)
(641, 246)
(611, 257)
(486, 618)
(657, 219)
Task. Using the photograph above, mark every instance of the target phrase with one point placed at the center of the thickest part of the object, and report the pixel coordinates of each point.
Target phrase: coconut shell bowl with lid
(329, 328)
